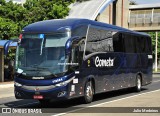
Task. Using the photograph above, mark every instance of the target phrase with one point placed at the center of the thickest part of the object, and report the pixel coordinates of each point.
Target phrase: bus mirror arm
(68, 45)
(7, 44)
(67, 52)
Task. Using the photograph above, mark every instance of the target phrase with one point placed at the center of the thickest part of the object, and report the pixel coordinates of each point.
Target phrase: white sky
(137, 1)
(147, 1)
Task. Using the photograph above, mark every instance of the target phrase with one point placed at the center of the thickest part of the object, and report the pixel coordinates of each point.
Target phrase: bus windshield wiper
(42, 46)
(43, 68)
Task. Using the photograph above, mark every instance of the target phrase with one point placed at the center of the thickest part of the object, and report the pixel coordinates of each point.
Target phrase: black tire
(44, 102)
(138, 86)
(88, 92)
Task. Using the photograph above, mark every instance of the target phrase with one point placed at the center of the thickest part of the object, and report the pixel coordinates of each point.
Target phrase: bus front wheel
(138, 83)
(88, 92)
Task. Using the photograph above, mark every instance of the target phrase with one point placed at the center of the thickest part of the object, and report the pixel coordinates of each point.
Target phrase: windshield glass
(42, 53)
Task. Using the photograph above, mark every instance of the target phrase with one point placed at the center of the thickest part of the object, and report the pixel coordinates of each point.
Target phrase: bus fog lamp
(17, 84)
(61, 94)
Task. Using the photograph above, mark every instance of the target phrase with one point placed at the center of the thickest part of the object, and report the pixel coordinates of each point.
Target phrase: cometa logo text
(104, 62)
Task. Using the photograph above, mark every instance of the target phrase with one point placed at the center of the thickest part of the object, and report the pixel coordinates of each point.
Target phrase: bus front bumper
(35, 92)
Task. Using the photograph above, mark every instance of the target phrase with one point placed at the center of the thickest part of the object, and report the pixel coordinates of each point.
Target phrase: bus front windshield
(42, 55)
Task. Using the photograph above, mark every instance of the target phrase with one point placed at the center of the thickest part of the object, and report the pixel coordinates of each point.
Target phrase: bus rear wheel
(88, 92)
(138, 83)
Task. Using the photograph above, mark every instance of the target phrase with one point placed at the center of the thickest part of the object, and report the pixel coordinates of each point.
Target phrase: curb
(2, 86)
(156, 73)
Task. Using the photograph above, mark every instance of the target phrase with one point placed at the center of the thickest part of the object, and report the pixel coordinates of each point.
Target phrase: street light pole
(156, 52)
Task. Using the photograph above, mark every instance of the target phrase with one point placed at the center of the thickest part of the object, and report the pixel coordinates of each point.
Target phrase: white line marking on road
(125, 98)
(60, 114)
(156, 81)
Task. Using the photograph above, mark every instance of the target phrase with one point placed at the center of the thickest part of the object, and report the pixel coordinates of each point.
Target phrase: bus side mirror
(7, 44)
(68, 44)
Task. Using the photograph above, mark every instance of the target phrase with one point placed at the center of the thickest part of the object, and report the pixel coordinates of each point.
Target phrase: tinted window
(80, 31)
(118, 45)
(138, 44)
(148, 45)
(142, 44)
(77, 52)
(129, 42)
(98, 40)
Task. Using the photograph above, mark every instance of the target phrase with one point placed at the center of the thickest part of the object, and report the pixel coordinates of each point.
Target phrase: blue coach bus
(69, 58)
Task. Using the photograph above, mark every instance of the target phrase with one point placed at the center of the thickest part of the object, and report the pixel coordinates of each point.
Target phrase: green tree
(153, 36)
(13, 17)
(8, 28)
(2, 2)
(32, 11)
(46, 9)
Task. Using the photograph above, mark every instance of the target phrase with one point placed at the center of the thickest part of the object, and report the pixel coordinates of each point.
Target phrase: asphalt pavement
(125, 102)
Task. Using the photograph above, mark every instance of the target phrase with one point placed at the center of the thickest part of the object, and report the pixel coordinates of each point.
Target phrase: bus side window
(81, 52)
(129, 43)
(74, 56)
(118, 45)
(143, 44)
(77, 54)
(138, 43)
(148, 45)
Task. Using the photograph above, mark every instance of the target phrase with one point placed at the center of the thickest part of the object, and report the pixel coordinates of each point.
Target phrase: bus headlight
(17, 84)
(65, 82)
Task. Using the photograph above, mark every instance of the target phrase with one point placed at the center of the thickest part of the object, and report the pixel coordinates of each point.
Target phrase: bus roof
(56, 24)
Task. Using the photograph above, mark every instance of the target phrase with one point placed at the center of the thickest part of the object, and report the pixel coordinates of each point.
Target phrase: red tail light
(20, 36)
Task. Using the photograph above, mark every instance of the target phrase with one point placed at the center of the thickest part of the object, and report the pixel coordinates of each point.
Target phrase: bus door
(76, 60)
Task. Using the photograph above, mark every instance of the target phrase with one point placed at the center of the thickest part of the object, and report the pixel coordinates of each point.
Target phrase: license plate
(38, 97)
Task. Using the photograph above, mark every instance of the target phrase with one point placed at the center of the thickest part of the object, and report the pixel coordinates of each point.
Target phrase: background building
(116, 13)
(113, 12)
(144, 17)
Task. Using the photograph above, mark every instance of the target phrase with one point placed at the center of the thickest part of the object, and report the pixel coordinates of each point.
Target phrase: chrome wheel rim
(138, 83)
(89, 91)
